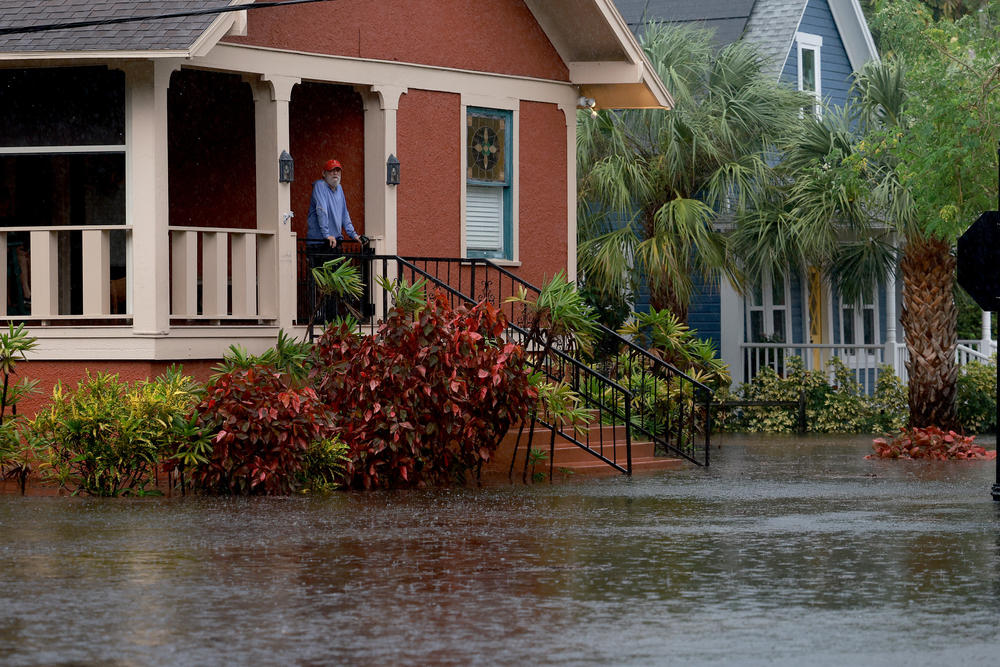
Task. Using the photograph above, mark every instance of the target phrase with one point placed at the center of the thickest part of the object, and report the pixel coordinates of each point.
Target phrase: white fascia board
(854, 32)
(604, 72)
(69, 56)
(218, 29)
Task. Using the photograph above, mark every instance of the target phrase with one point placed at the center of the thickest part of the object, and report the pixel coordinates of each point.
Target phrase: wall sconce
(286, 168)
(392, 170)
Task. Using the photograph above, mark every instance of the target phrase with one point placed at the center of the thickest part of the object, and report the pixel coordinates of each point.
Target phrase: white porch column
(146, 183)
(891, 357)
(986, 334)
(731, 322)
(276, 258)
(569, 111)
(381, 106)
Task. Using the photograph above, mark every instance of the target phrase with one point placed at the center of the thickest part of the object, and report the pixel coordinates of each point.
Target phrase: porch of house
(145, 219)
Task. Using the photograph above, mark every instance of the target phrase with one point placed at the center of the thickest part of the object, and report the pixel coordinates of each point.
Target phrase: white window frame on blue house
(808, 42)
(855, 324)
(764, 303)
(489, 205)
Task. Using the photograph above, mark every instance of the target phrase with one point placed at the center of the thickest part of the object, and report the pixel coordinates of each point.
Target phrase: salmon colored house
(143, 220)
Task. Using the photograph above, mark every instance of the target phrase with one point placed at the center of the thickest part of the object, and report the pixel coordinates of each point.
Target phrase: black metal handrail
(611, 406)
(670, 407)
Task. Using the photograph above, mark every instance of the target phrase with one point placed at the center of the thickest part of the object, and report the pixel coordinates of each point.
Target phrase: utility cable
(23, 30)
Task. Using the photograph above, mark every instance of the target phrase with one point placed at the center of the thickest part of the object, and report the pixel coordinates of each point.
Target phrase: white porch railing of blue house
(863, 360)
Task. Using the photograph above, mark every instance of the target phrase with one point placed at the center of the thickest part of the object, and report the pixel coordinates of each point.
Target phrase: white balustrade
(862, 360)
(237, 273)
(53, 271)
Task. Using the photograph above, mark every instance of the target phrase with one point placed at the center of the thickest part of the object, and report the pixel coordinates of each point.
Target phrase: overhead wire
(23, 30)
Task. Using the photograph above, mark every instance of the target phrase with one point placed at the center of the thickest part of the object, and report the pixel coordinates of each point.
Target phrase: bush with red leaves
(928, 443)
(427, 398)
(261, 430)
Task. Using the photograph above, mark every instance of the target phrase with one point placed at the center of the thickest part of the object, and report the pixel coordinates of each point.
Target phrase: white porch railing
(53, 272)
(236, 278)
(863, 360)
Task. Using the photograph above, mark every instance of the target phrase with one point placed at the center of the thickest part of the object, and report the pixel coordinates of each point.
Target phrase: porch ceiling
(603, 56)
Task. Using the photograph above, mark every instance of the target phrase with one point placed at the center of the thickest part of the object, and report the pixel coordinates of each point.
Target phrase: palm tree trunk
(929, 322)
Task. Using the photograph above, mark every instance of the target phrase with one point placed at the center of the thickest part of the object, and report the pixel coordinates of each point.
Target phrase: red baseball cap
(331, 165)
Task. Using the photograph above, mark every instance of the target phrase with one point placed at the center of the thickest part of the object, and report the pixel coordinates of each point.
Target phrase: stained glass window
(486, 138)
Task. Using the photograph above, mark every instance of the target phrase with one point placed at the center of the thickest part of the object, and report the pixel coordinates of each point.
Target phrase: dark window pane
(869, 326)
(778, 320)
(778, 291)
(848, 314)
(756, 326)
(68, 106)
(809, 70)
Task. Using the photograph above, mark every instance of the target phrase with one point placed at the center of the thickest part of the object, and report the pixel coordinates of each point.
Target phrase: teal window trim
(508, 185)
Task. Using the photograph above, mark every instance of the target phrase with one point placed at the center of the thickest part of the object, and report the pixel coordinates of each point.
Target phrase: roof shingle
(150, 35)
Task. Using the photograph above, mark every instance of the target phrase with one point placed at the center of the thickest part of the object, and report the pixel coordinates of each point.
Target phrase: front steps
(570, 460)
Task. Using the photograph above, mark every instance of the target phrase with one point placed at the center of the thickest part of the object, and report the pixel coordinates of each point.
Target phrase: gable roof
(770, 24)
(602, 54)
(161, 35)
(728, 18)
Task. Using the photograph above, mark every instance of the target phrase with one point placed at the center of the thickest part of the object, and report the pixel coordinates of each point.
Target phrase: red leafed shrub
(928, 443)
(425, 399)
(261, 431)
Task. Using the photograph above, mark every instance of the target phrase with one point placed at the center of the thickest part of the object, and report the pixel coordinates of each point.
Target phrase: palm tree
(842, 200)
(652, 182)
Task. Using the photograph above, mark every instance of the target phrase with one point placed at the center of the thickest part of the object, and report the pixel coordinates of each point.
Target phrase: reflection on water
(789, 551)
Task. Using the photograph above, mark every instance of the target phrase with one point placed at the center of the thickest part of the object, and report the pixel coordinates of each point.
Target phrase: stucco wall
(483, 35)
(71, 372)
(428, 127)
(542, 206)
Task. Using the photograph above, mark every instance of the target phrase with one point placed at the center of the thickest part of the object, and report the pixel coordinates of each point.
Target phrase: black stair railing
(630, 391)
(669, 407)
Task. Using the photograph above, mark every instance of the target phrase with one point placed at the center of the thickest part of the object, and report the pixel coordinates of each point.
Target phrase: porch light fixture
(286, 168)
(392, 170)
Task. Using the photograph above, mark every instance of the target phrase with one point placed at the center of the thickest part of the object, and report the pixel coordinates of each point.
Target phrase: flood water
(787, 551)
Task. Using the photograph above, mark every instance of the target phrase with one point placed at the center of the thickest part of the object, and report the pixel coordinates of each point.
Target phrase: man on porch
(328, 216)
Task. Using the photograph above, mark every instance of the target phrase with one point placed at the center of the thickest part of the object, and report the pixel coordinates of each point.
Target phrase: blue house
(814, 46)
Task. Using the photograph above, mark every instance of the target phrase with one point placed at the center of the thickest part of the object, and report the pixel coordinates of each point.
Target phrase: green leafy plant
(426, 398)
(977, 397)
(665, 336)
(16, 458)
(90, 440)
(289, 356)
(338, 277)
(324, 465)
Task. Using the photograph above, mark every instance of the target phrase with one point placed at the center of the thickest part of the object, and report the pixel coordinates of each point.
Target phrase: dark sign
(979, 260)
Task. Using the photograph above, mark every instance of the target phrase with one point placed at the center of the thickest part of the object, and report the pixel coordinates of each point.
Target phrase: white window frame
(767, 309)
(809, 42)
(858, 324)
(512, 105)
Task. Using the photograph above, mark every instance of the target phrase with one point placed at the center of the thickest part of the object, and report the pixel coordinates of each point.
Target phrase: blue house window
(810, 79)
(488, 196)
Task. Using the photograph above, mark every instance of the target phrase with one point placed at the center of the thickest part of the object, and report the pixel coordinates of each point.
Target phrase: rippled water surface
(784, 552)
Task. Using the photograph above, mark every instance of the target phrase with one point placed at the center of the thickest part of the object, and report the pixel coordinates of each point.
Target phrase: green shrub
(106, 438)
(838, 407)
(977, 397)
(324, 465)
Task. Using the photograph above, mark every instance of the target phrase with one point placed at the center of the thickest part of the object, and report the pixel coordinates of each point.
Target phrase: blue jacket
(328, 214)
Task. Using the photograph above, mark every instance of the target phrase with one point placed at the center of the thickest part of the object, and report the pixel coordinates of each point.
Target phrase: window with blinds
(488, 230)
